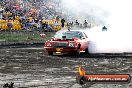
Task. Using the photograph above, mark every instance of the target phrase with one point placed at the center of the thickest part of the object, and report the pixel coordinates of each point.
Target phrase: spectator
(44, 25)
(77, 23)
(9, 24)
(85, 25)
(104, 28)
(62, 22)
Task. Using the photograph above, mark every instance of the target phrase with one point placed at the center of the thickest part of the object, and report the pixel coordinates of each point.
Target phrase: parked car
(68, 41)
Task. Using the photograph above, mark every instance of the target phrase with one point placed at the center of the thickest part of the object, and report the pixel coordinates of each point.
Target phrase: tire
(78, 52)
(78, 49)
(86, 51)
(50, 53)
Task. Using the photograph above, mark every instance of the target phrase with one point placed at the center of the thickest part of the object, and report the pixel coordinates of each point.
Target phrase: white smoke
(109, 41)
(115, 14)
(86, 9)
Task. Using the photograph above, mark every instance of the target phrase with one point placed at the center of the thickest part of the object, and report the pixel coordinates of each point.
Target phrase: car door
(82, 41)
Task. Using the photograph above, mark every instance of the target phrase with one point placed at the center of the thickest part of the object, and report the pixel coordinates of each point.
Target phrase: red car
(68, 41)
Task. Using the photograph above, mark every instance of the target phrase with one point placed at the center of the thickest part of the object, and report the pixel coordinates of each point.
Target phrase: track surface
(33, 68)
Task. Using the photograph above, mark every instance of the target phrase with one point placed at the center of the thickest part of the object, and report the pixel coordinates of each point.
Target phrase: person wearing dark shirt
(85, 25)
(77, 23)
(104, 29)
(62, 22)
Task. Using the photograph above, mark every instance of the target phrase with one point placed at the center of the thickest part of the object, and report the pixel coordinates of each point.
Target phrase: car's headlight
(71, 44)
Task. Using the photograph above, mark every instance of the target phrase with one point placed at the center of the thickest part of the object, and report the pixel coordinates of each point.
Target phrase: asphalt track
(32, 67)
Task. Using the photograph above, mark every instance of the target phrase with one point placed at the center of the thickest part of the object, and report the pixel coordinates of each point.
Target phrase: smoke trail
(86, 9)
(115, 14)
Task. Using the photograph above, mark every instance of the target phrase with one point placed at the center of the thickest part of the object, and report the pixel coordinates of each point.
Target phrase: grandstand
(25, 14)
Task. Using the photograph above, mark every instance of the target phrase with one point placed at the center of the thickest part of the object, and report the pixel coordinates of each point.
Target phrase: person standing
(77, 23)
(85, 25)
(62, 22)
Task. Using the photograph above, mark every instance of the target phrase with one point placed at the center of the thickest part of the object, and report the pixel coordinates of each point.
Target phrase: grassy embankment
(24, 37)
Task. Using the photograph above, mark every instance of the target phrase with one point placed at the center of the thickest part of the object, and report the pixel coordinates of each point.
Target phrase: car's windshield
(69, 34)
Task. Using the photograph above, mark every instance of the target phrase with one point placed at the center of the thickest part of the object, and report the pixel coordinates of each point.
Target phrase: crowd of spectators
(31, 13)
(26, 8)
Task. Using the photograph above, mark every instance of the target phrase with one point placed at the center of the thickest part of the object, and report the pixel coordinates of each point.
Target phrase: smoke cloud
(116, 15)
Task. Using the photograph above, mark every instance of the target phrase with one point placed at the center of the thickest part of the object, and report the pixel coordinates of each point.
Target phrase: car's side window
(81, 35)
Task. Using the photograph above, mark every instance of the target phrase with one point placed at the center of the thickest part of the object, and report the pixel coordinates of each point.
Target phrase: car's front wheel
(50, 53)
(78, 52)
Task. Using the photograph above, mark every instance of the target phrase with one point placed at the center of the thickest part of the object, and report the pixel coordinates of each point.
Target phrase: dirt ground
(33, 68)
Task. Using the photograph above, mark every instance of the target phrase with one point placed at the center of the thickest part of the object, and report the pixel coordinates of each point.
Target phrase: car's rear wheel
(86, 51)
(50, 53)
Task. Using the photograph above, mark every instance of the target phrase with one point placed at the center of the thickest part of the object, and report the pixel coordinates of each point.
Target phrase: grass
(24, 36)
